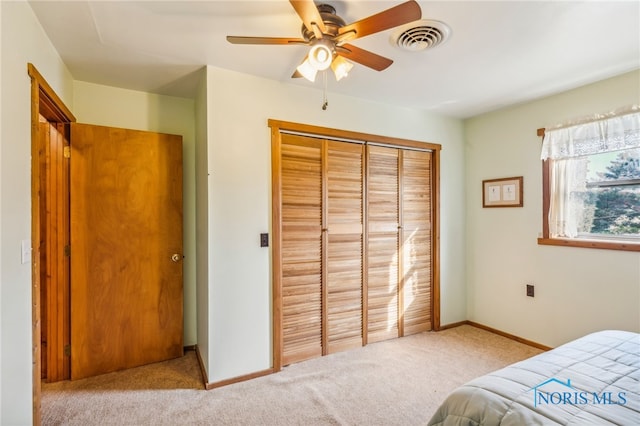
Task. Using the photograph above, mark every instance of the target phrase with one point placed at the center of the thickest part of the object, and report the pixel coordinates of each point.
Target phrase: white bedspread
(594, 380)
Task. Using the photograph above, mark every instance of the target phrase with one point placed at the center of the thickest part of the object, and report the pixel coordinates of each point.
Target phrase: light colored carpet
(397, 382)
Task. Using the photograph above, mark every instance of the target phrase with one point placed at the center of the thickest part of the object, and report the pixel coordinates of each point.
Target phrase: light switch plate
(25, 246)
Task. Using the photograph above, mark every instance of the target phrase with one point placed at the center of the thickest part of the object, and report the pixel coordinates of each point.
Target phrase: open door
(126, 249)
(53, 244)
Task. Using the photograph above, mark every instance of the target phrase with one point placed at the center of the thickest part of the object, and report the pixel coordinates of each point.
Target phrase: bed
(593, 380)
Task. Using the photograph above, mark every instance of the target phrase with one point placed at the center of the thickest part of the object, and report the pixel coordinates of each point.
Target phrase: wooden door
(126, 249)
(383, 243)
(416, 241)
(301, 247)
(344, 257)
(53, 248)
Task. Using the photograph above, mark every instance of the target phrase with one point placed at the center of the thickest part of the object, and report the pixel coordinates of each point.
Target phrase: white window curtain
(568, 145)
(567, 206)
(593, 135)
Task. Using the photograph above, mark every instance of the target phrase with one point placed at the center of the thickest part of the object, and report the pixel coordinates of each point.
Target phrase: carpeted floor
(397, 382)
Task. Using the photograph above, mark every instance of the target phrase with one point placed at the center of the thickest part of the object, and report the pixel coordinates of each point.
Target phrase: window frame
(546, 238)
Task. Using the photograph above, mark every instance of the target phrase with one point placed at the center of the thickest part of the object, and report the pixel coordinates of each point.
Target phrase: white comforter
(594, 380)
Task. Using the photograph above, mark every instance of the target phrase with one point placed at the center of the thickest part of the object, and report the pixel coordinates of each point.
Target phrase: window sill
(605, 245)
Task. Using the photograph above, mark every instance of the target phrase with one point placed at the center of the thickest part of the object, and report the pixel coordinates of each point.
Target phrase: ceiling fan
(328, 35)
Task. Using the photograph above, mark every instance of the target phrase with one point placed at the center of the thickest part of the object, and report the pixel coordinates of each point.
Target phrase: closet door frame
(277, 128)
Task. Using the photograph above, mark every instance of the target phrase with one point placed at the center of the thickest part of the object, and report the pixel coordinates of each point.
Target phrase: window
(591, 183)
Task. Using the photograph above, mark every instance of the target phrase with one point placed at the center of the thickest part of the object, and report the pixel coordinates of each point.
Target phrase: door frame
(277, 127)
(45, 101)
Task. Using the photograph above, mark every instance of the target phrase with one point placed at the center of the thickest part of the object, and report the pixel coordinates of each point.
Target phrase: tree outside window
(613, 193)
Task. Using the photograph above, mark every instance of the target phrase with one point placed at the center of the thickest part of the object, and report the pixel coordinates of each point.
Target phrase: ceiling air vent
(420, 35)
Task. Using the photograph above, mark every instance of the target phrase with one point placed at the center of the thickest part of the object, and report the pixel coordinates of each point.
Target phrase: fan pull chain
(325, 103)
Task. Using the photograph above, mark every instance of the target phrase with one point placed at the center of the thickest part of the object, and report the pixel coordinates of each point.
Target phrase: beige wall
(111, 106)
(239, 175)
(22, 41)
(577, 290)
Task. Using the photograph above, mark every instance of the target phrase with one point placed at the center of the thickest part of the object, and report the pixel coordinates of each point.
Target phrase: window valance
(609, 132)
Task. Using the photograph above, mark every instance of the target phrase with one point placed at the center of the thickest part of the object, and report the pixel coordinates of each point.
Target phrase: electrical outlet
(264, 240)
(530, 290)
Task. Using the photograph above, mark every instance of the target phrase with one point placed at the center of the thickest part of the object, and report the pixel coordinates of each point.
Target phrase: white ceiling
(499, 53)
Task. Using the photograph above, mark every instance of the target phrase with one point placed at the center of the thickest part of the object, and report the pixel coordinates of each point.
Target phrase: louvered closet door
(301, 162)
(416, 241)
(344, 186)
(382, 251)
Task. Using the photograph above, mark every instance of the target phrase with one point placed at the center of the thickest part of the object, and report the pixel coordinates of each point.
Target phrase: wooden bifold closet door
(344, 242)
(301, 248)
(399, 242)
(415, 235)
(383, 256)
(321, 246)
(352, 244)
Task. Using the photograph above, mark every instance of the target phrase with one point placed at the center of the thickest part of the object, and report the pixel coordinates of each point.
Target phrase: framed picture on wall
(504, 192)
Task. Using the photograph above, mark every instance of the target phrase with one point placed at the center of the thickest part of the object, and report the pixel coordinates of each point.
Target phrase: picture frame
(503, 192)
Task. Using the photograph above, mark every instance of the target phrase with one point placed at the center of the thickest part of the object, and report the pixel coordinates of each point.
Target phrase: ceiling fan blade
(308, 12)
(364, 57)
(265, 40)
(398, 15)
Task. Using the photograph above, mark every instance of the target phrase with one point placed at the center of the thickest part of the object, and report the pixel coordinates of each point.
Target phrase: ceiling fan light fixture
(326, 33)
(320, 55)
(307, 70)
(341, 67)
